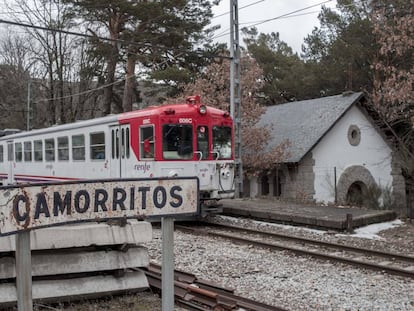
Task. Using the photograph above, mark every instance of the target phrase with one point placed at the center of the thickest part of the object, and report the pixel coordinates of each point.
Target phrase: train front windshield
(177, 141)
(178, 144)
(222, 142)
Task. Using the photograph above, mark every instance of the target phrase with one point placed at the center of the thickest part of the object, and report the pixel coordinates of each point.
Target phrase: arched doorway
(356, 193)
(354, 183)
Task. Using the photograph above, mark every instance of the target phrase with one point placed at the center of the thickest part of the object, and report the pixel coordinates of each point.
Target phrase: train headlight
(225, 174)
(172, 173)
(202, 109)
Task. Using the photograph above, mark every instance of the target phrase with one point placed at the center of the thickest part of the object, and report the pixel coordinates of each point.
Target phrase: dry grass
(141, 301)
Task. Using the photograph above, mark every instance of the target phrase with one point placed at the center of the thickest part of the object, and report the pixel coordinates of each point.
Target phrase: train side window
(38, 150)
(123, 151)
(1, 153)
(10, 152)
(18, 152)
(50, 149)
(78, 147)
(222, 148)
(97, 146)
(27, 151)
(63, 148)
(147, 142)
(127, 144)
(117, 143)
(113, 142)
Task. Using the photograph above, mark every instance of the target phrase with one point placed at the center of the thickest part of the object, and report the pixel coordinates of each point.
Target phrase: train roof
(63, 127)
(178, 109)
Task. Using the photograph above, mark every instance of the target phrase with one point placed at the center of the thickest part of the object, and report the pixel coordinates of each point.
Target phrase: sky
(292, 28)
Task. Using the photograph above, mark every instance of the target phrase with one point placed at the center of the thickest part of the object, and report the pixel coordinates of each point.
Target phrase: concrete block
(76, 288)
(84, 234)
(77, 261)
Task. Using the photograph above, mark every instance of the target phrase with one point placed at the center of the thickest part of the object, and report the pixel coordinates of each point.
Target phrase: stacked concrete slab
(78, 261)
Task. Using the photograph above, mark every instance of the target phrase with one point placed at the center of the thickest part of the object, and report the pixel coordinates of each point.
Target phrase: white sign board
(41, 205)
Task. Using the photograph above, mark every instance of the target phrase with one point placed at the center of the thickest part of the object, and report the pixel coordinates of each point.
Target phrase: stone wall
(398, 195)
(296, 182)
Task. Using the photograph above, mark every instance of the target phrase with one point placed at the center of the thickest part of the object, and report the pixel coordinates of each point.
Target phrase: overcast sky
(292, 28)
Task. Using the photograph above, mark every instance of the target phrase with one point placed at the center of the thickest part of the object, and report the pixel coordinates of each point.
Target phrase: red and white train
(188, 139)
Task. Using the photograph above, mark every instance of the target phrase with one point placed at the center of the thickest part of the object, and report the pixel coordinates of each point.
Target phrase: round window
(354, 135)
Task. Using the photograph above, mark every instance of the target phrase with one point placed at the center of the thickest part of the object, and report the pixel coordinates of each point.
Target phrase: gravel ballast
(285, 280)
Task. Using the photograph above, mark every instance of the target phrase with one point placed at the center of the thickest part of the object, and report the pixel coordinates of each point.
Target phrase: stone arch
(353, 176)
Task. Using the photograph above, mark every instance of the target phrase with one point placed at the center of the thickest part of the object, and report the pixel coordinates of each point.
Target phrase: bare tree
(14, 76)
(51, 52)
(393, 94)
(394, 68)
(214, 90)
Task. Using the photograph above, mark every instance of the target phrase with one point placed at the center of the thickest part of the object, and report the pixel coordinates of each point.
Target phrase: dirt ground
(402, 235)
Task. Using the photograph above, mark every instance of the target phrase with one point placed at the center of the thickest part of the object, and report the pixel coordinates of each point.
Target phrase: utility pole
(29, 84)
(235, 92)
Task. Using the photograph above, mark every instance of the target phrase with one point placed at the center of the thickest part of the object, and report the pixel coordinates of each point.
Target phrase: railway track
(197, 294)
(392, 263)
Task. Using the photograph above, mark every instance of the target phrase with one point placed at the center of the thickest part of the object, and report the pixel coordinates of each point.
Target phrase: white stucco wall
(334, 150)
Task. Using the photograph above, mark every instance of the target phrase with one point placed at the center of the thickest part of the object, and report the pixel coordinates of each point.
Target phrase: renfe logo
(185, 120)
(142, 167)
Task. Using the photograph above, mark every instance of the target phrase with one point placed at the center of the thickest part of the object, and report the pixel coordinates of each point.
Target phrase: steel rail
(202, 295)
(365, 251)
(300, 251)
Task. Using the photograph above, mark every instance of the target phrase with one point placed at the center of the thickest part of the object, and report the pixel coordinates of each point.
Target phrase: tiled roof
(305, 122)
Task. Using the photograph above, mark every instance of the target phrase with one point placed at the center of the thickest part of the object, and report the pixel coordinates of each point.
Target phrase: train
(172, 140)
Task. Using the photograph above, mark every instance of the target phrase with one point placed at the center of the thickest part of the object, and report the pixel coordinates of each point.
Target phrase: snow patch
(371, 231)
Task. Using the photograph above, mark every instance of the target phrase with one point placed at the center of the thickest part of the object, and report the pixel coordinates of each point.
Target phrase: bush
(377, 197)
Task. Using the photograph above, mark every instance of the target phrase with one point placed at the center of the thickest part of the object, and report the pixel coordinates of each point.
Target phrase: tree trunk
(109, 81)
(129, 94)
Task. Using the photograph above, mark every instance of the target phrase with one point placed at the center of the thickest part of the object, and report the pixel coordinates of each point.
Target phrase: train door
(204, 168)
(120, 150)
(10, 163)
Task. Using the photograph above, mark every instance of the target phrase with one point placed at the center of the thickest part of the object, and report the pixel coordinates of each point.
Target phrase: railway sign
(31, 206)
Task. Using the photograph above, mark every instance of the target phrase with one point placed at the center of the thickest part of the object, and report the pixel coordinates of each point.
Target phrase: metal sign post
(24, 272)
(167, 269)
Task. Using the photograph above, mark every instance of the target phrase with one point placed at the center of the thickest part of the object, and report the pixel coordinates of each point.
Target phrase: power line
(226, 32)
(293, 12)
(94, 37)
(96, 6)
(286, 15)
(101, 87)
(290, 16)
(243, 7)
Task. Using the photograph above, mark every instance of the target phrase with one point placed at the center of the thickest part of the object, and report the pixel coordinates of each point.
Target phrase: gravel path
(292, 282)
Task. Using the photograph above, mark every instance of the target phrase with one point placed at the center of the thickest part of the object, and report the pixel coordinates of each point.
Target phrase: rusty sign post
(27, 207)
(23, 272)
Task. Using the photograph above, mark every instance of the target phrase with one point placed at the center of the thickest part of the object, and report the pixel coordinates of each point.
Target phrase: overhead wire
(290, 13)
(200, 54)
(242, 7)
(101, 87)
(286, 15)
